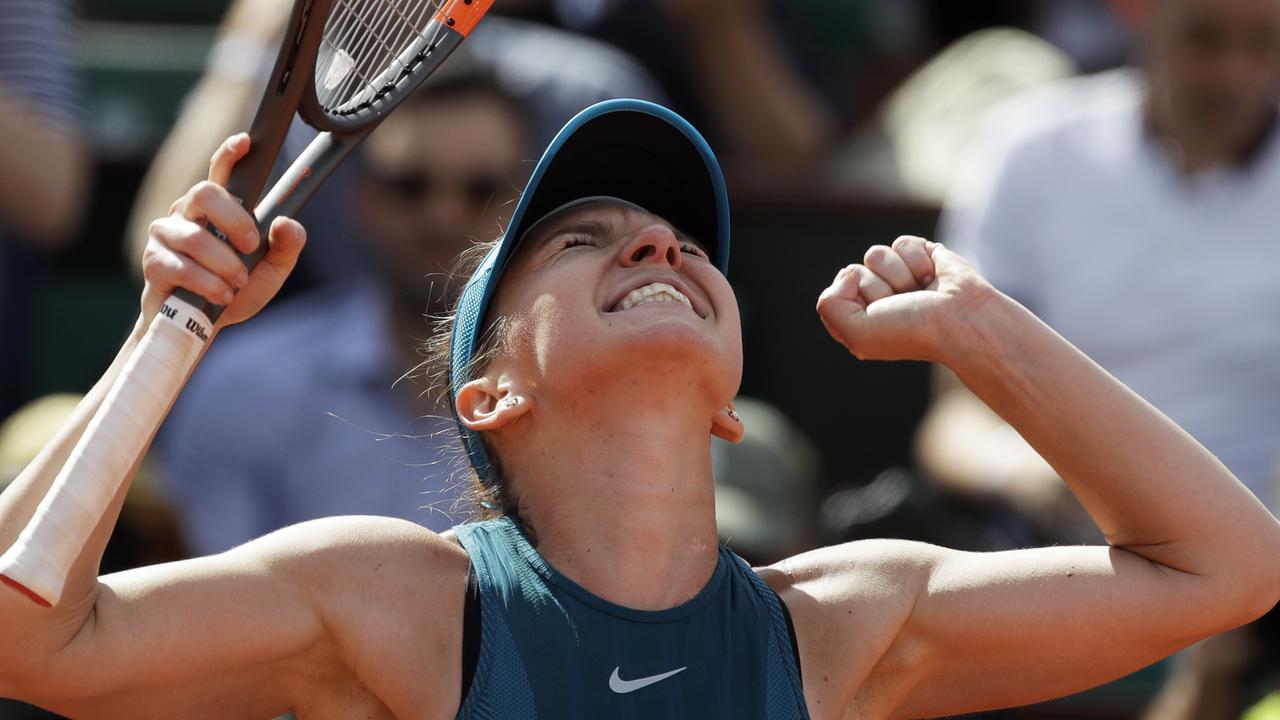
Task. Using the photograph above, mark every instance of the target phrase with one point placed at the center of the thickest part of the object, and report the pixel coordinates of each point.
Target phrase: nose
(655, 243)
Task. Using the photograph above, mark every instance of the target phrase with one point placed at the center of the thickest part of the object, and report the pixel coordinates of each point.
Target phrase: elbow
(1268, 570)
(1254, 583)
(34, 642)
(1254, 605)
(1268, 594)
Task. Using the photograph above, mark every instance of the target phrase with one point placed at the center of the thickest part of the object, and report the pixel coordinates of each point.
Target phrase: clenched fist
(905, 302)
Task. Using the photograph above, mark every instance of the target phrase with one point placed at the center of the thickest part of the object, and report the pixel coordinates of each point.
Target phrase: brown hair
(488, 499)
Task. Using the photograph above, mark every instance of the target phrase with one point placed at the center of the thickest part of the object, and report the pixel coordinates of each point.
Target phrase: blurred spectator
(44, 168)
(913, 148)
(776, 82)
(757, 101)
(725, 64)
(553, 73)
(1135, 212)
(1088, 31)
(295, 416)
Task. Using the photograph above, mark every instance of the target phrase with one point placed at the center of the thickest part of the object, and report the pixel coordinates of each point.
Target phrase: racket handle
(287, 196)
(209, 309)
(40, 560)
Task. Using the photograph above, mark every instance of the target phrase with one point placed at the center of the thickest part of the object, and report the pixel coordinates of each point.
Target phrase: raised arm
(98, 641)
(1191, 552)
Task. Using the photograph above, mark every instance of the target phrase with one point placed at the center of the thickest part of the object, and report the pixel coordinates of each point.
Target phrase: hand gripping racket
(343, 66)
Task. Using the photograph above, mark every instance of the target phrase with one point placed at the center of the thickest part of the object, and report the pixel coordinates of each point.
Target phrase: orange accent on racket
(461, 16)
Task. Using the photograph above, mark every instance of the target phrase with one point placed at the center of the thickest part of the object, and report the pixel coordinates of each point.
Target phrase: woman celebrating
(596, 348)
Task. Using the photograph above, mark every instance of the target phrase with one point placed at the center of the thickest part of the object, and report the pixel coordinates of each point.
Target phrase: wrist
(135, 336)
(978, 327)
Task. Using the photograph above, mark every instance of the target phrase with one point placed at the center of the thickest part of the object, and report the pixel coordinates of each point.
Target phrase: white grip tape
(43, 554)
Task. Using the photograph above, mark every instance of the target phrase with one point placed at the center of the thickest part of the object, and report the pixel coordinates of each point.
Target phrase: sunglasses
(477, 190)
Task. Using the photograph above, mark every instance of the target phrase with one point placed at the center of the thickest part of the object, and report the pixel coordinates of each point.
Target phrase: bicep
(195, 634)
(1059, 620)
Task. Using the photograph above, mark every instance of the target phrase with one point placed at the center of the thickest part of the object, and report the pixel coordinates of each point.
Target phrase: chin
(684, 337)
(682, 353)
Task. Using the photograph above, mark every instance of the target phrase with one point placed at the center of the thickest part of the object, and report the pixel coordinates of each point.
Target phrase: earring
(511, 401)
(733, 415)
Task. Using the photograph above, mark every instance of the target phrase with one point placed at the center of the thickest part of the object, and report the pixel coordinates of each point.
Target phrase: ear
(484, 404)
(726, 425)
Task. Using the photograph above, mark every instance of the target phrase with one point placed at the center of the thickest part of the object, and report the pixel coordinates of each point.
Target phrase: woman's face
(606, 292)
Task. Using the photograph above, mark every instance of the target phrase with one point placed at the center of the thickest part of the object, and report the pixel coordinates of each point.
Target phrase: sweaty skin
(361, 616)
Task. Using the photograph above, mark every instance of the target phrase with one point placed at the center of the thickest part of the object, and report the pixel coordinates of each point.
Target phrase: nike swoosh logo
(622, 687)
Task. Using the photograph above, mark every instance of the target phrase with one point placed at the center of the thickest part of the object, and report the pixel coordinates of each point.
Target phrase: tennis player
(595, 351)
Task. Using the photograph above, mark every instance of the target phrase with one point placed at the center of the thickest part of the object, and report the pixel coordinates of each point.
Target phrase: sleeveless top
(550, 649)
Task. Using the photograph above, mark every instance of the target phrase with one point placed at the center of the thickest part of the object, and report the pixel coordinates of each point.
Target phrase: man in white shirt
(1137, 212)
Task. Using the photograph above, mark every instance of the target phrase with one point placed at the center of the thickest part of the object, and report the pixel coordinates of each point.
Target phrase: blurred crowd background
(1113, 164)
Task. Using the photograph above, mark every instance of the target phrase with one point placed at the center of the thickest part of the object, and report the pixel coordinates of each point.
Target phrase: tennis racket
(343, 66)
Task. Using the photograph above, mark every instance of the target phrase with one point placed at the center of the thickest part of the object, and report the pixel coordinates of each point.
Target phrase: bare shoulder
(869, 577)
(358, 565)
(391, 593)
(849, 602)
(354, 544)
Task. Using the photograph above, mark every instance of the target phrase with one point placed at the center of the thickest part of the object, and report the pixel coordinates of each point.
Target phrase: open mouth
(651, 293)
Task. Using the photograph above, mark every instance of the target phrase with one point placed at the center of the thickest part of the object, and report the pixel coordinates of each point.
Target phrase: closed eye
(693, 249)
(569, 241)
(690, 245)
(584, 232)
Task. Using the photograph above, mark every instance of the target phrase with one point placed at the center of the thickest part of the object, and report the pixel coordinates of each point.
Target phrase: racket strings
(367, 46)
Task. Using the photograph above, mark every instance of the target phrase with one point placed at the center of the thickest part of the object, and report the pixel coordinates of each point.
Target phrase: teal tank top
(551, 650)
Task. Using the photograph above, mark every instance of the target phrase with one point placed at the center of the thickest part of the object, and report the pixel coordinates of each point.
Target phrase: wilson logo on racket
(197, 329)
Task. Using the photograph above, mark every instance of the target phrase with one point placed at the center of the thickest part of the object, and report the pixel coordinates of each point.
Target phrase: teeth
(654, 292)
